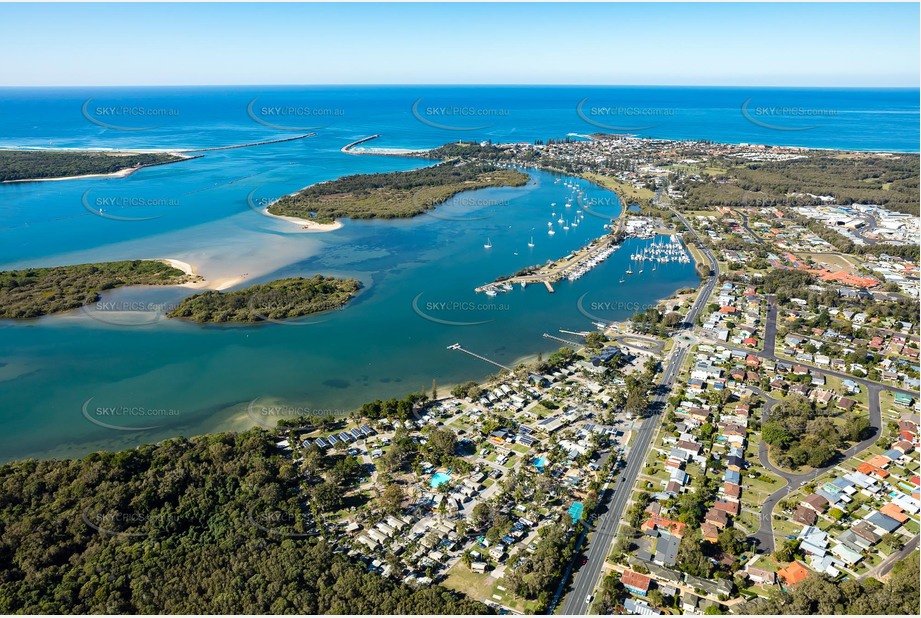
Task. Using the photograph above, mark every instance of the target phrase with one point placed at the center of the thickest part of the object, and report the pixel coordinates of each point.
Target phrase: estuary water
(119, 374)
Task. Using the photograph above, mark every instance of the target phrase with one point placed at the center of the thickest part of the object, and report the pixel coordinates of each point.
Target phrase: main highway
(614, 500)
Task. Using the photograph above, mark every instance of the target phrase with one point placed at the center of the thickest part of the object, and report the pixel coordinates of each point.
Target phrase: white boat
(560, 220)
(488, 244)
(491, 292)
(531, 244)
(550, 232)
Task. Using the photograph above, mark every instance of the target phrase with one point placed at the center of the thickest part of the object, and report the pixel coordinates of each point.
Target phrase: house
(689, 602)
(733, 462)
(761, 576)
(636, 583)
(478, 567)
(846, 554)
(657, 522)
(731, 490)
(691, 448)
(666, 549)
(895, 512)
(866, 532)
(709, 532)
(845, 403)
(640, 608)
(882, 523)
(793, 573)
(805, 516)
(726, 506)
(717, 517)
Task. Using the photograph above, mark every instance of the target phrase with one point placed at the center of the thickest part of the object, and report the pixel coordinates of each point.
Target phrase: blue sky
(668, 44)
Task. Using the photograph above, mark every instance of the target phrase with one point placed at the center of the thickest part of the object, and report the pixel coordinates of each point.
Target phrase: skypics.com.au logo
(126, 117)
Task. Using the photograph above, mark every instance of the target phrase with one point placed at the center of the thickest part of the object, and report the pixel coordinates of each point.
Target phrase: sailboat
(488, 244)
(531, 244)
(550, 232)
(566, 227)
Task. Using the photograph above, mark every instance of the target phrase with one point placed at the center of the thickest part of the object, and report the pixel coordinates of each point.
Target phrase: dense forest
(393, 194)
(802, 434)
(888, 180)
(468, 150)
(279, 300)
(34, 292)
(28, 164)
(820, 595)
(211, 525)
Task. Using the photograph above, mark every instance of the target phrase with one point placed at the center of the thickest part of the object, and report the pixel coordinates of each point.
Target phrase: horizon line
(478, 85)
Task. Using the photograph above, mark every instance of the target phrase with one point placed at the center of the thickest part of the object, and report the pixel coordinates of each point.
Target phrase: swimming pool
(439, 478)
(575, 511)
(540, 462)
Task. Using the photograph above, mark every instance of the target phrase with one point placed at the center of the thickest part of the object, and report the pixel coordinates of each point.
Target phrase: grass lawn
(508, 599)
(749, 520)
(764, 483)
(836, 261)
(785, 527)
(625, 191)
(472, 584)
(766, 561)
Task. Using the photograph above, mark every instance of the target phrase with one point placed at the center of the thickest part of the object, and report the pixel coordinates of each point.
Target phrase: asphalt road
(886, 565)
(613, 501)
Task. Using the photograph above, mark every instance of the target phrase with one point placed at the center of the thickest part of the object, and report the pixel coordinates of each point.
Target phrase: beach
(305, 224)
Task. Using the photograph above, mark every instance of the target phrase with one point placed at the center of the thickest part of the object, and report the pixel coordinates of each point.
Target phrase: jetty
(348, 147)
(458, 347)
(571, 267)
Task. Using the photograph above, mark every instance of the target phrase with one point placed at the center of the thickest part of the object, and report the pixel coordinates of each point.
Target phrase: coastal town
(715, 451)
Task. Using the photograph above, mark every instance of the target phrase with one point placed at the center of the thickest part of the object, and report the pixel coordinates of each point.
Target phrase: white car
(588, 599)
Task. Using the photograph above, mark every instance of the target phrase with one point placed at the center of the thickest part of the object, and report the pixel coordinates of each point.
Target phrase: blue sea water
(102, 379)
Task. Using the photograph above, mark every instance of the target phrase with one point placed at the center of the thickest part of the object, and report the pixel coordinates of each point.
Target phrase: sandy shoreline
(306, 224)
(200, 283)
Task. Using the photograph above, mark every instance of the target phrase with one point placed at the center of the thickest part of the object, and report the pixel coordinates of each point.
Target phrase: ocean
(120, 374)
